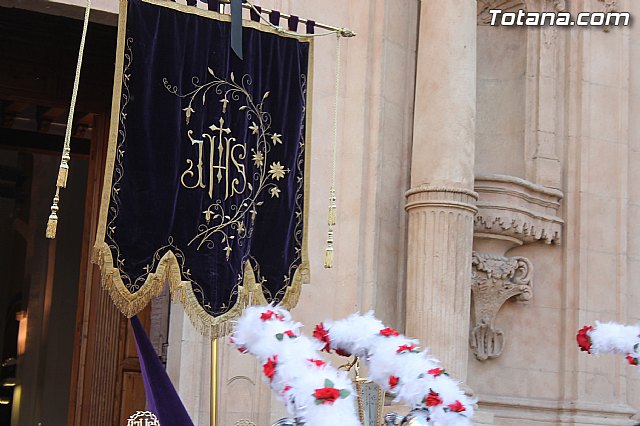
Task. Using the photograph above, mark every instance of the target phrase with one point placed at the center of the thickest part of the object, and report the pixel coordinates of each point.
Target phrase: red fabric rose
(323, 335)
(457, 407)
(432, 399)
(389, 332)
(393, 382)
(269, 367)
(584, 341)
(405, 348)
(632, 360)
(327, 395)
(435, 372)
(317, 362)
(269, 314)
(290, 333)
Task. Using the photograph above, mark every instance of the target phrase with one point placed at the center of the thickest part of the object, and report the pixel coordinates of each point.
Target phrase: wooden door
(38, 54)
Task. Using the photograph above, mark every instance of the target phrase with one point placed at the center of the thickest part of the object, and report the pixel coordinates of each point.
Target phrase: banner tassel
(52, 223)
(63, 170)
(328, 252)
(332, 208)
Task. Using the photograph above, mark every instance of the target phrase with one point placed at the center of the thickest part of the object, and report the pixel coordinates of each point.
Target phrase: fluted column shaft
(441, 203)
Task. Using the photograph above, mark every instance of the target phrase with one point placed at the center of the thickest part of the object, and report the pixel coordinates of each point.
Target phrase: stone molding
(441, 196)
(516, 208)
(484, 18)
(495, 279)
(556, 412)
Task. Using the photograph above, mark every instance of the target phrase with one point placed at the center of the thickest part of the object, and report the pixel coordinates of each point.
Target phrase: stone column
(441, 201)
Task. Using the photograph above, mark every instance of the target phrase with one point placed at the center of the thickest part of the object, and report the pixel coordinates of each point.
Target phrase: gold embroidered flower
(258, 159)
(254, 128)
(277, 171)
(187, 112)
(275, 138)
(275, 192)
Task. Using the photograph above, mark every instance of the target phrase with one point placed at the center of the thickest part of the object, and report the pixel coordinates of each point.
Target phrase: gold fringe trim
(169, 270)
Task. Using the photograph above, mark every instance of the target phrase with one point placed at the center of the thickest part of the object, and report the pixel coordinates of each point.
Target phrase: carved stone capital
(495, 279)
(518, 209)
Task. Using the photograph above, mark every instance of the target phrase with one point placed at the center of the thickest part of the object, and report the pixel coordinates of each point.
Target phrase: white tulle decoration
(398, 365)
(313, 391)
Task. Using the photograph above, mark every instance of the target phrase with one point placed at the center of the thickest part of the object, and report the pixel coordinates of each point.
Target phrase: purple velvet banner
(205, 182)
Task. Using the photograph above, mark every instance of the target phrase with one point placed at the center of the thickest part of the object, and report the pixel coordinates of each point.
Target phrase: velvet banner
(205, 182)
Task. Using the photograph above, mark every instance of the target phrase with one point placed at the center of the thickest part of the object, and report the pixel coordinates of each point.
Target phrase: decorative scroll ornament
(495, 280)
(205, 178)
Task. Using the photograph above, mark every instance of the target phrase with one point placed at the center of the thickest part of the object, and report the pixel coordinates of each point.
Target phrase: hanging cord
(63, 171)
(328, 255)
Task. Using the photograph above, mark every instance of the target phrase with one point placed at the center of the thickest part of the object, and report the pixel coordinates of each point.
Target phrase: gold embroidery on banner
(300, 230)
(236, 223)
(189, 172)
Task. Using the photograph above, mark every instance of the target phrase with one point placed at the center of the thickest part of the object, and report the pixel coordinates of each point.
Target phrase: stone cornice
(519, 209)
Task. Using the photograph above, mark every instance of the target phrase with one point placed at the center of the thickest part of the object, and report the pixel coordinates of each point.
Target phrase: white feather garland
(312, 390)
(614, 338)
(611, 338)
(398, 365)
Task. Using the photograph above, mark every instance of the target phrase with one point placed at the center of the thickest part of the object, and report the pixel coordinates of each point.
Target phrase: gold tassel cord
(328, 252)
(52, 223)
(63, 170)
(332, 208)
(331, 220)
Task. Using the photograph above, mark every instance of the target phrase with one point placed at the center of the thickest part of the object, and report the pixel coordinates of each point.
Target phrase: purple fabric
(311, 25)
(274, 18)
(255, 14)
(293, 23)
(162, 398)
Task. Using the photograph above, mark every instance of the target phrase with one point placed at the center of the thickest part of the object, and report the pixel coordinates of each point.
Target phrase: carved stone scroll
(495, 280)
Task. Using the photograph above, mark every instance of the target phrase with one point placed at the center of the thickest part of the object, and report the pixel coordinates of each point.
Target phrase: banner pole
(214, 382)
